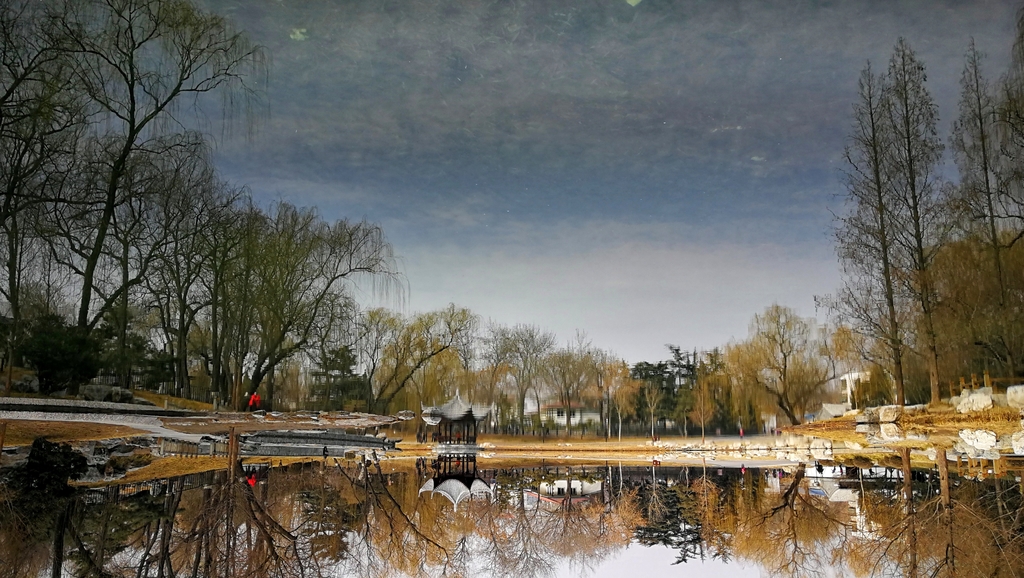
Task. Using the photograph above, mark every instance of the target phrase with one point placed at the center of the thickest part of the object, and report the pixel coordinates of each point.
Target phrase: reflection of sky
(638, 560)
(651, 174)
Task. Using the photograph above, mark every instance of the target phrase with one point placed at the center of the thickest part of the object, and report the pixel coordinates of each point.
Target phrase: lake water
(454, 516)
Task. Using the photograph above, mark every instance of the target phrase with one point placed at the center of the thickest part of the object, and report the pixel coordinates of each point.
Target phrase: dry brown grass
(939, 426)
(158, 400)
(220, 423)
(22, 432)
(839, 429)
(1001, 420)
(169, 467)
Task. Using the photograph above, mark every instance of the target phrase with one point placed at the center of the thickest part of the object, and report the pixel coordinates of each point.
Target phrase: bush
(63, 356)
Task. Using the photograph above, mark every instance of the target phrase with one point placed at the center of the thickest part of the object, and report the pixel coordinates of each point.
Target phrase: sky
(651, 174)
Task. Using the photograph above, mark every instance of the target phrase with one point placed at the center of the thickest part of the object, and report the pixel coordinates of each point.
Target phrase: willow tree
(301, 269)
(786, 362)
(393, 350)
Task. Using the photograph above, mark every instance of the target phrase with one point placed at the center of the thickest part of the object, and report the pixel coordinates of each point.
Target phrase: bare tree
(40, 120)
(865, 236)
(137, 61)
(911, 115)
(300, 270)
(569, 372)
(528, 345)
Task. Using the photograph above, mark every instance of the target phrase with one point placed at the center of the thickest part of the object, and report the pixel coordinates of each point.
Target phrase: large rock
(28, 383)
(99, 392)
(976, 401)
(889, 413)
(973, 452)
(866, 428)
(867, 415)
(1015, 396)
(979, 438)
(1017, 441)
(95, 391)
(891, 432)
(821, 449)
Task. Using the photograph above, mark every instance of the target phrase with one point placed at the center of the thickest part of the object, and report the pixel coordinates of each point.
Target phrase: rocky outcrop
(979, 438)
(821, 449)
(1015, 396)
(891, 432)
(889, 413)
(99, 392)
(976, 401)
(1017, 442)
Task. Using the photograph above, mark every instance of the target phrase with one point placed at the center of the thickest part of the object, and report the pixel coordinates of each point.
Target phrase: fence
(192, 449)
(998, 384)
(116, 493)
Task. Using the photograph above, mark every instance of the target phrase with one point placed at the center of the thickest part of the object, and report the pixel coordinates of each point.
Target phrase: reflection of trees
(395, 537)
(694, 519)
(515, 538)
(356, 520)
(937, 526)
(36, 503)
(972, 528)
(796, 534)
(510, 544)
(670, 518)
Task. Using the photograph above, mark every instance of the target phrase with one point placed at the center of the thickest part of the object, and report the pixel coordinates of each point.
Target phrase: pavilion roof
(455, 410)
(457, 488)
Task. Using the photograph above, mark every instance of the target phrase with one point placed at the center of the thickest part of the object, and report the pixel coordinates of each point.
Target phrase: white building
(849, 382)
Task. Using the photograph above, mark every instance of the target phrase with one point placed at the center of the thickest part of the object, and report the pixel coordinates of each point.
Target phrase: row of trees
(932, 289)
(932, 286)
(125, 254)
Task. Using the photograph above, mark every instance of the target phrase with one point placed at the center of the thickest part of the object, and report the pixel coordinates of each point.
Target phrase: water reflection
(376, 519)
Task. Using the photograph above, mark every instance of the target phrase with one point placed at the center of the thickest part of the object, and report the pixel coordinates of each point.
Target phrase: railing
(192, 449)
(998, 384)
(115, 493)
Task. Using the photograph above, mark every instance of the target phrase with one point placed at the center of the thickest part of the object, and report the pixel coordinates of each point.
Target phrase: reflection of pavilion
(455, 478)
(455, 422)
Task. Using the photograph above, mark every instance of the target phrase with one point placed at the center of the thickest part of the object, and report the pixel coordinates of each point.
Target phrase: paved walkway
(36, 404)
(146, 423)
